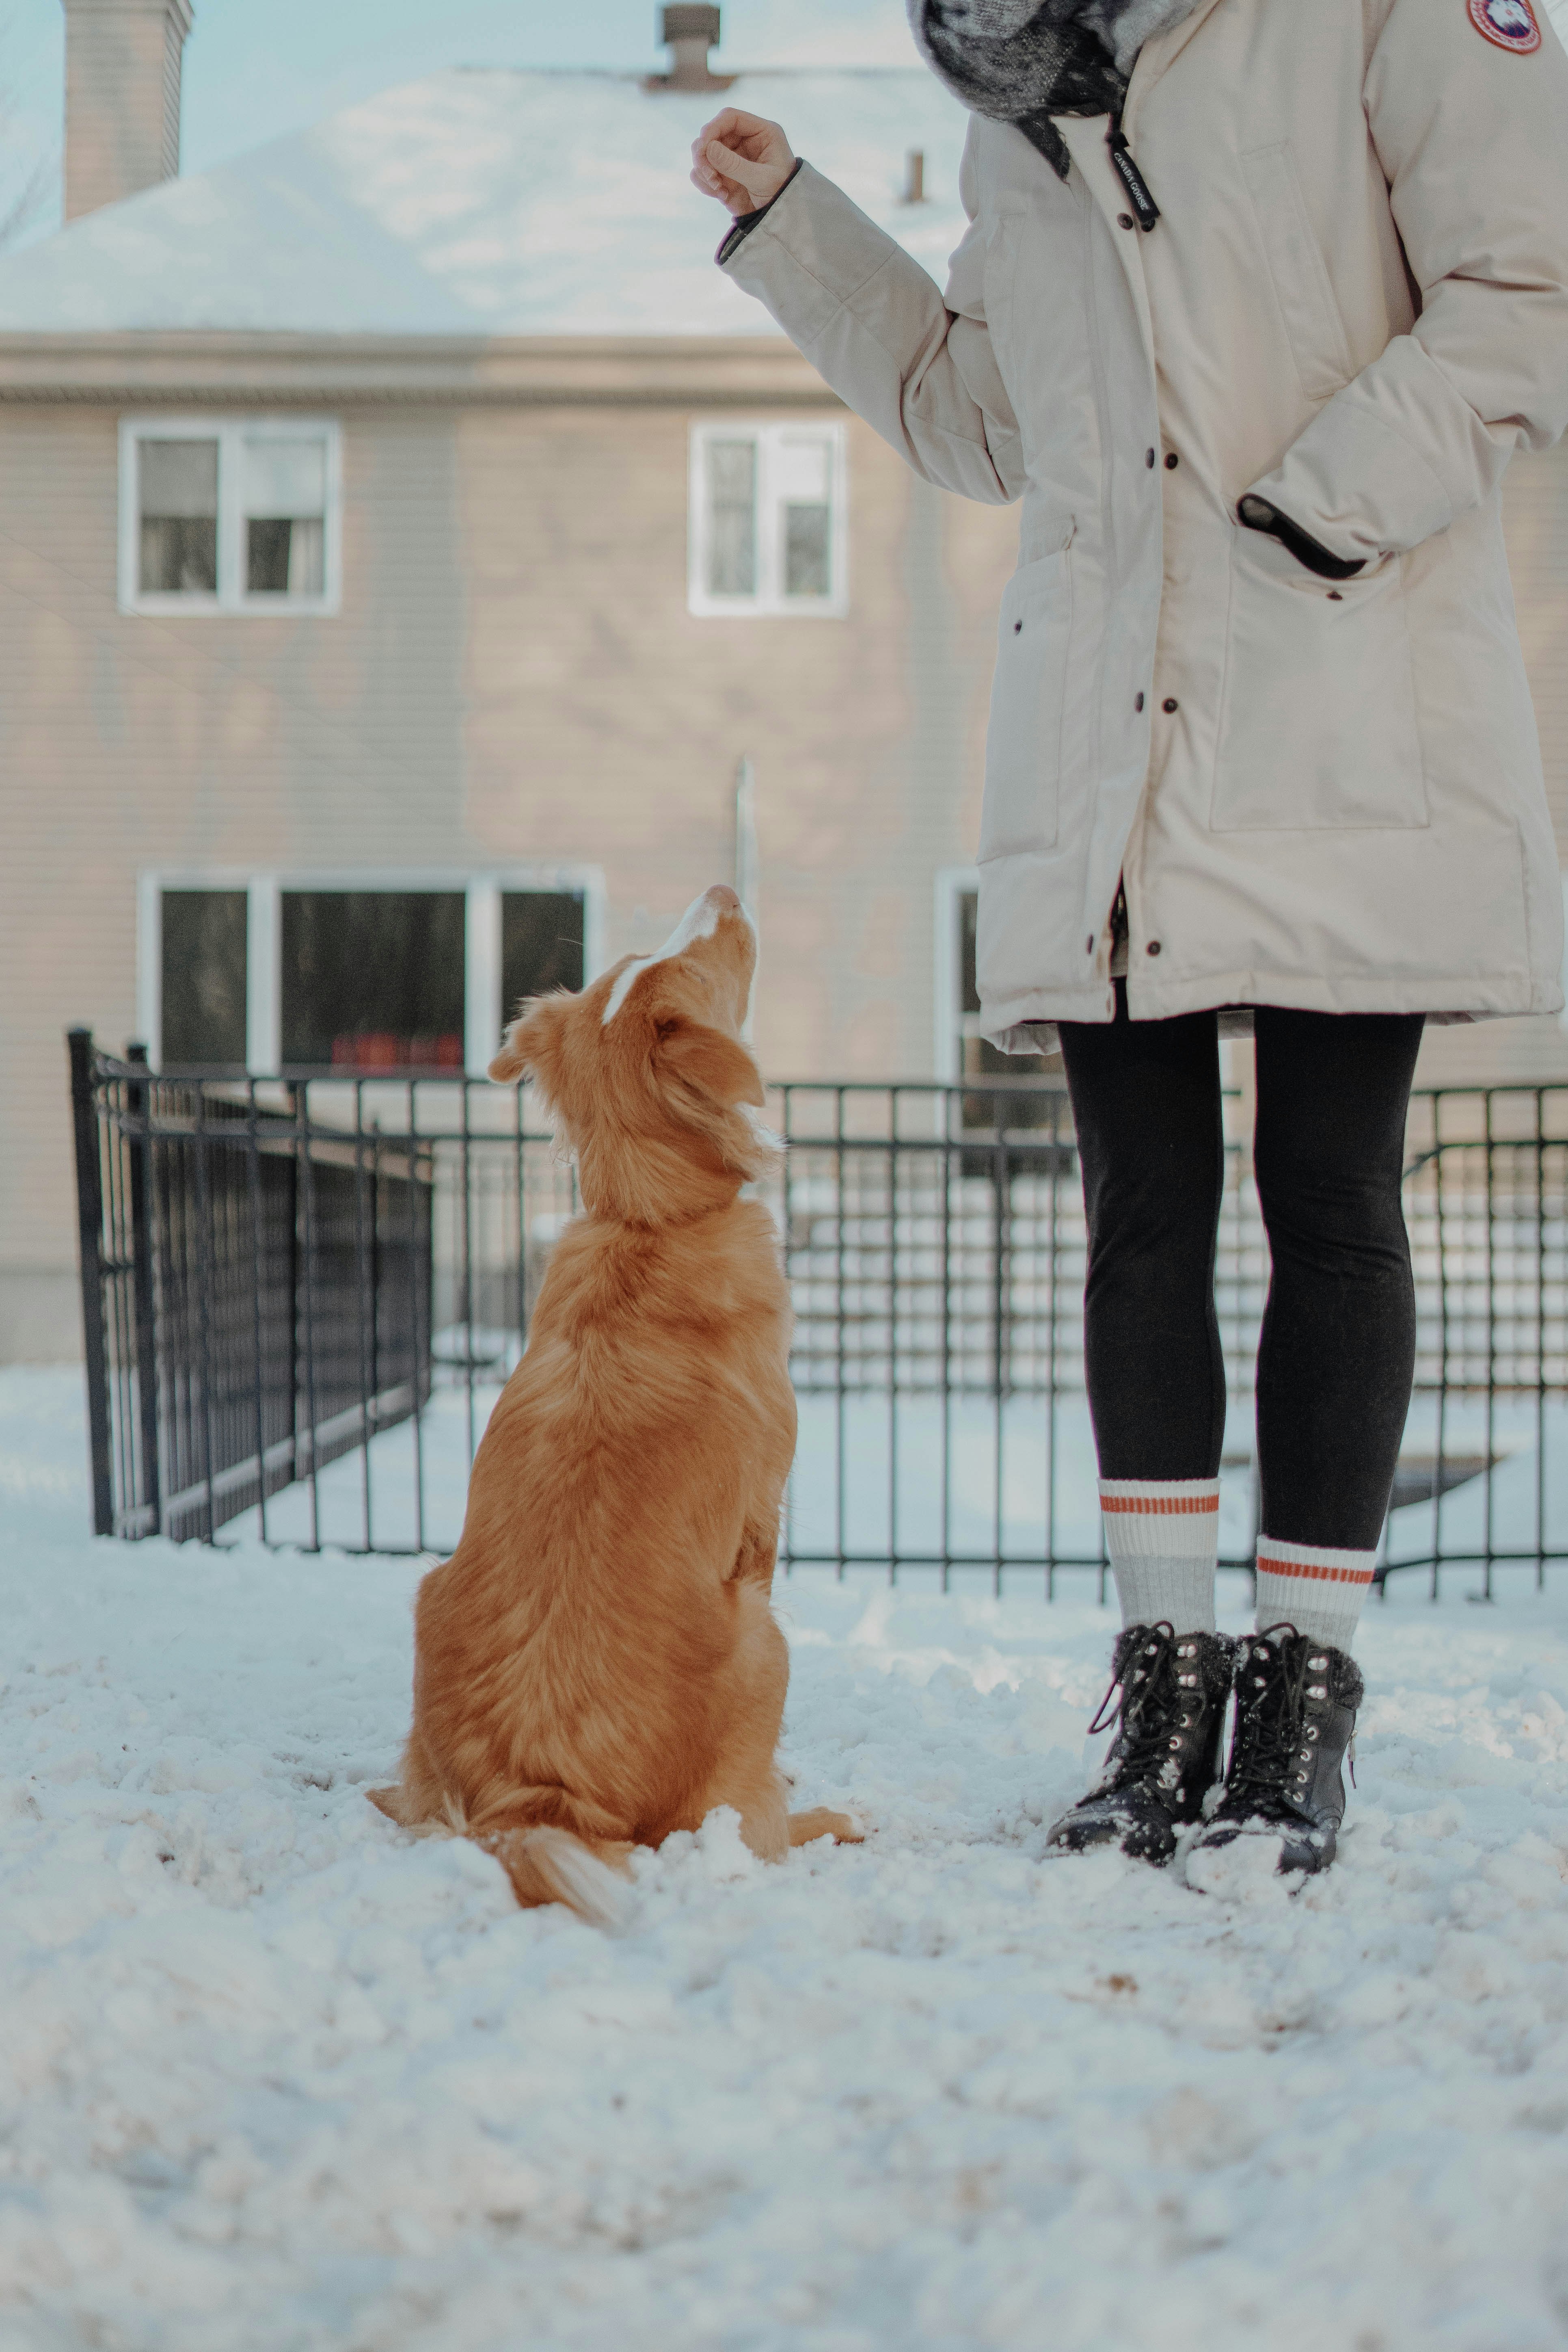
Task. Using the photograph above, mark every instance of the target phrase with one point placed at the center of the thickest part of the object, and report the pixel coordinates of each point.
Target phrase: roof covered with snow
(483, 203)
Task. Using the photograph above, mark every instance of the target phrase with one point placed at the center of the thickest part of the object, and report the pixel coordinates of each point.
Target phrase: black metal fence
(301, 1297)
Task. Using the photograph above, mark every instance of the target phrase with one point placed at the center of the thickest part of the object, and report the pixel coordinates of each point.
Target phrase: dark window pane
(372, 978)
(540, 944)
(806, 551)
(177, 482)
(731, 518)
(284, 559)
(1004, 1109)
(204, 977)
(968, 909)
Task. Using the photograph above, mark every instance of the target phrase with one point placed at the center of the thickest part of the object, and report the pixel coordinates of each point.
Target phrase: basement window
(356, 975)
(767, 532)
(229, 515)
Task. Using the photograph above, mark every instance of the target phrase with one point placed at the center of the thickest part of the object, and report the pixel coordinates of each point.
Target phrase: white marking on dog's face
(621, 987)
(699, 921)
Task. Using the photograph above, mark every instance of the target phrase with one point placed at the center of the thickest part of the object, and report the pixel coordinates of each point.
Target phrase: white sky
(257, 67)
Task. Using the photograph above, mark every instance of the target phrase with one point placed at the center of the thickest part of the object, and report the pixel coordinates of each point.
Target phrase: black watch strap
(742, 225)
(1258, 514)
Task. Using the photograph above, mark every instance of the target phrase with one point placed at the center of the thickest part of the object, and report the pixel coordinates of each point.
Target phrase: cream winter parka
(1322, 794)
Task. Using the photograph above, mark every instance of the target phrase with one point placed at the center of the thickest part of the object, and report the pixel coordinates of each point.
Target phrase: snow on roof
(484, 202)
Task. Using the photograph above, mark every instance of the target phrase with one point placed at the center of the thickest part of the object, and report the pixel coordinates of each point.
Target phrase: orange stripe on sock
(1268, 1566)
(1160, 1505)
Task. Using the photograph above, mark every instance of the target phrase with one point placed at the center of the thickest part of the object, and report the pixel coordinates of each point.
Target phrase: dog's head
(646, 1073)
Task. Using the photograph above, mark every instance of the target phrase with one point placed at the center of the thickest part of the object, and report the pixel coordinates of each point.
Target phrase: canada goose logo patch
(1509, 24)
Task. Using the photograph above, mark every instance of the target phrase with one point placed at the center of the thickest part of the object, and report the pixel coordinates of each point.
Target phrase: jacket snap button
(1153, 947)
(1335, 597)
(1148, 456)
(1172, 460)
(1169, 703)
(1137, 703)
(1125, 220)
(1016, 626)
(1089, 944)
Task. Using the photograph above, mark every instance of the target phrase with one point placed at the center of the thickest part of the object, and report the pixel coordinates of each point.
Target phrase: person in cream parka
(1252, 345)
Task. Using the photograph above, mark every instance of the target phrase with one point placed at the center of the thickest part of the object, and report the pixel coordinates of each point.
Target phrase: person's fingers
(735, 166)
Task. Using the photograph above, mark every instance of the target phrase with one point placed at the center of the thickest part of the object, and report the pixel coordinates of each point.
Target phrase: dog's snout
(721, 896)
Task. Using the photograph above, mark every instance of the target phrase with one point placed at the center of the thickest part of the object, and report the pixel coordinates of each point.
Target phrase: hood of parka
(1023, 61)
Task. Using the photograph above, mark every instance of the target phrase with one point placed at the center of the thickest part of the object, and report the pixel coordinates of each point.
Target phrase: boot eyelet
(1317, 1690)
(1317, 1665)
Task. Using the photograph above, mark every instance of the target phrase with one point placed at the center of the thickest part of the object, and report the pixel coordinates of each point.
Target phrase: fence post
(139, 1094)
(90, 1230)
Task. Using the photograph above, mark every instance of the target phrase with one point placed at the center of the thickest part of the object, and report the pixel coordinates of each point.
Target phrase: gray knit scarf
(1024, 60)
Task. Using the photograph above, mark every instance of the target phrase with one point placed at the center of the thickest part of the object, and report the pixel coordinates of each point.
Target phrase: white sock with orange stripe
(1162, 1535)
(1319, 1593)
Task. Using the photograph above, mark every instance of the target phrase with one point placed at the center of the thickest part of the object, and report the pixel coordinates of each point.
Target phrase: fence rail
(302, 1296)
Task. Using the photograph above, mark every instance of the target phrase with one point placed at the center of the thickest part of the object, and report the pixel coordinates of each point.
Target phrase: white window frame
(229, 432)
(485, 1016)
(770, 603)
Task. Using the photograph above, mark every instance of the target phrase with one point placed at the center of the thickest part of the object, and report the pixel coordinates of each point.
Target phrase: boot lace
(1149, 1697)
(1268, 1726)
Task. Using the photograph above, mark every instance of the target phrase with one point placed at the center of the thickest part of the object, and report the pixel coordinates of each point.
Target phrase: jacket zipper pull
(1131, 178)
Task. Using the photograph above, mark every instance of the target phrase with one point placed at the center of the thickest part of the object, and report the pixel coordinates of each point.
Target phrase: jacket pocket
(1024, 741)
(1313, 326)
(1318, 728)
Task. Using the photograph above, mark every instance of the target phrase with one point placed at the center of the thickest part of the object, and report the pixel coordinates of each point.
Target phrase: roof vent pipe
(690, 33)
(122, 97)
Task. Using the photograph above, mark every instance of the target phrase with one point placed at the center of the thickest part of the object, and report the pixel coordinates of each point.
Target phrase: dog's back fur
(598, 1665)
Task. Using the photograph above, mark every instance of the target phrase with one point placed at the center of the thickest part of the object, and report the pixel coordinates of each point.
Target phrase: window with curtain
(768, 520)
(229, 515)
(285, 509)
(177, 539)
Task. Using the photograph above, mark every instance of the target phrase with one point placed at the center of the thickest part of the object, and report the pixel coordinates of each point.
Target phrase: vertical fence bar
(89, 1238)
(1540, 1341)
(258, 1290)
(138, 1095)
(894, 1343)
(417, 1357)
(304, 1304)
(946, 1166)
(842, 1219)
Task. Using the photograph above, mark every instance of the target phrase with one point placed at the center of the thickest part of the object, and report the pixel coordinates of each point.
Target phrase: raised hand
(741, 160)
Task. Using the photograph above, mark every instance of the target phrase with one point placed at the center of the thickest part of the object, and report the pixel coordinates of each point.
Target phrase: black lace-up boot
(1166, 1755)
(1296, 1702)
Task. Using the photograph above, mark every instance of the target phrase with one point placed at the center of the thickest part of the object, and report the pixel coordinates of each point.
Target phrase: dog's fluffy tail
(551, 1865)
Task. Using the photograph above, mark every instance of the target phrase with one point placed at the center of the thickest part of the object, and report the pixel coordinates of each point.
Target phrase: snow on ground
(277, 2079)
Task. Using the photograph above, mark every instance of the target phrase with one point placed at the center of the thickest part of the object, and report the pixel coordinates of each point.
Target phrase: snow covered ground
(277, 2080)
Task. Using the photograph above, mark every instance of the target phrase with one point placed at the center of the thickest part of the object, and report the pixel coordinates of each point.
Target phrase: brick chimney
(690, 33)
(122, 97)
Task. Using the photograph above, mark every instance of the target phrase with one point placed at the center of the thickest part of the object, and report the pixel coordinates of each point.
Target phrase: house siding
(514, 677)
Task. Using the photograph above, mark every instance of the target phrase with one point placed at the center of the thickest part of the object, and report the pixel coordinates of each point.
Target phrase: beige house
(421, 571)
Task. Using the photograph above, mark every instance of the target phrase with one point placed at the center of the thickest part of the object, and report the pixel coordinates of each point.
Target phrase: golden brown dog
(597, 1665)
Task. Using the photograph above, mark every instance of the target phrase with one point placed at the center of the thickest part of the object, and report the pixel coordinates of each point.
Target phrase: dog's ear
(705, 1077)
(535, 1043)
(707, 1063)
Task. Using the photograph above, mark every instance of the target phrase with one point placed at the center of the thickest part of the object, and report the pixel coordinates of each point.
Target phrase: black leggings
(1338, 1347)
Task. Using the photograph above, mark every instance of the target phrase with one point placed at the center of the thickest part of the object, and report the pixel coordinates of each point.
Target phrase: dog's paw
(820, 1823)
